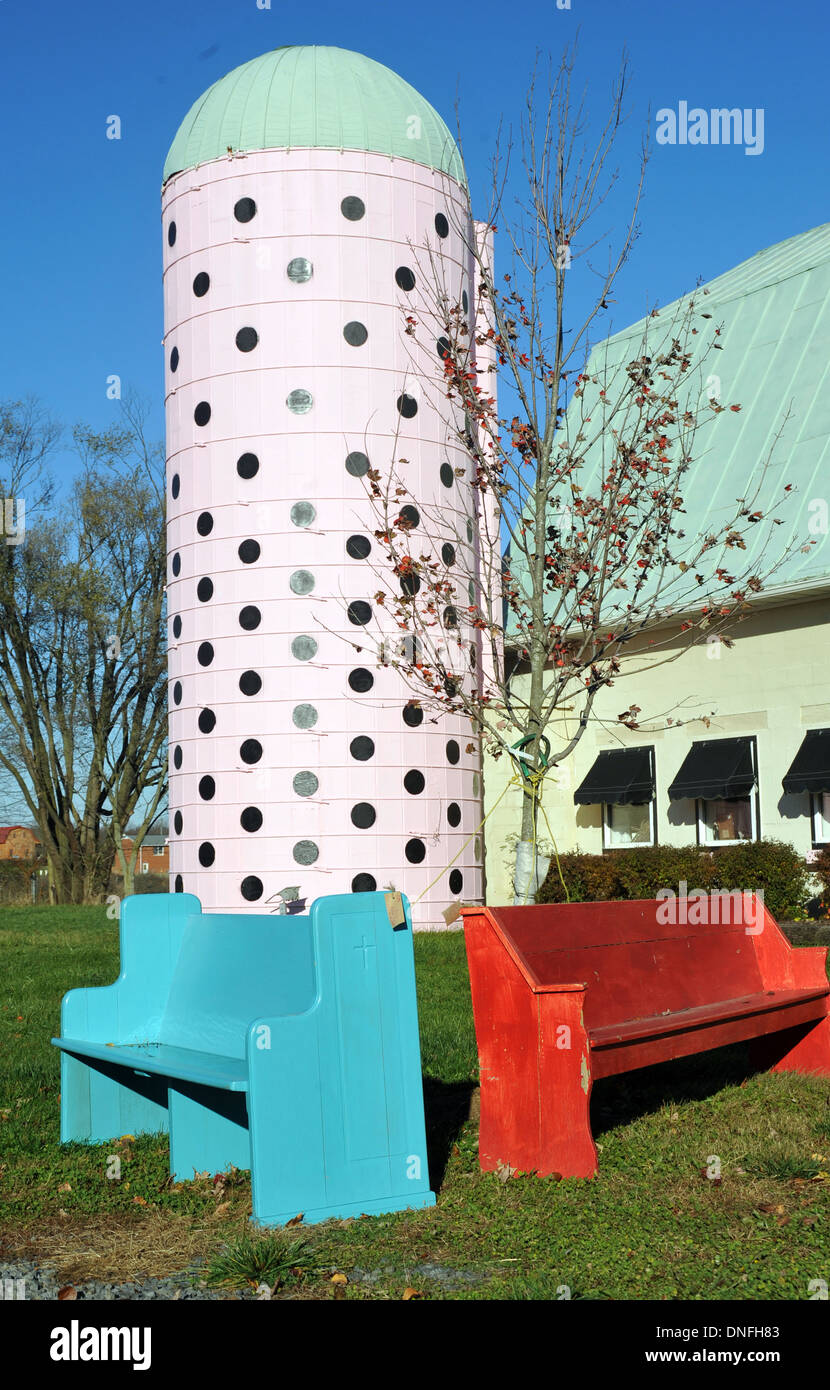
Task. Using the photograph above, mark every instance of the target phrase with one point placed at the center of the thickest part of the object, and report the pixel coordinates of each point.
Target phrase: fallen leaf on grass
(139, 1201)
(222, 1208)
(410, 1293)
(338, 1279)
(65, 1187)
(68, 1291)
(504, 1172)
(295, 1220)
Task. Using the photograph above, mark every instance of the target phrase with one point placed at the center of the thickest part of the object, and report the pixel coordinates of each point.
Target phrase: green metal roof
(774, 310)
(320, 98)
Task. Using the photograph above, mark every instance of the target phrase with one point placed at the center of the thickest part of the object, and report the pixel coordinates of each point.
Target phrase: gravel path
(43, 1285)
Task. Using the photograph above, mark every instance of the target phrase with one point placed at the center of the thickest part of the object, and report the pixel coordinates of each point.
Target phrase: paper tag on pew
(395, 910)
(453, 912)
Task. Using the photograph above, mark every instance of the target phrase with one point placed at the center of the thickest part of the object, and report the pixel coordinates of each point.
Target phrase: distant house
(153, 856)
(18, 842)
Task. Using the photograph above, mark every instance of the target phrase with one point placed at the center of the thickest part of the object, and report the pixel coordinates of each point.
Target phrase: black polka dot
(353, 208)
(177, 626)
(250, 617)
(407, 406)
(448, 553)
(207, 788)
(171, 234)
(179, 885)
(465, 303)
(250, 683)
(453, 751)
(206, 721)
(451, 686)
(247, 465)
(364, 883)
(454, 813)
(362, 748)
(249, 552)
(357, 464)
(204, 524)
(414, 782)
(469, 530)
(355, 334)
(415, 851)
(363, 815)
(359, 613)
(251, 888)
(409, 514)
(358, 547)
(251, 819)
(361, 680)
(201, 284)
(302, 514)
(447, 475)
(177, 693)
(202, 413)
(204, 590)
(244, 210)
(450, 616)
(404, 278)
(410, 583)
(456, 881)
(175, 485)
(444, 348)
(178, 822)
(247, 339)
(251, 750)
(174, 359)
(176, 564)
(442, 226)
(413, 716)
(205, 654)
(177, 756)
(305, 852)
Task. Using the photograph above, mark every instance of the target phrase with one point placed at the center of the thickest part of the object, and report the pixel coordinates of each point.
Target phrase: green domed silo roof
(314, 97)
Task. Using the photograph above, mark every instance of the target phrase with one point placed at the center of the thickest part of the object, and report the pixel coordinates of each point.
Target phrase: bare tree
(83, 643)
(585, 473)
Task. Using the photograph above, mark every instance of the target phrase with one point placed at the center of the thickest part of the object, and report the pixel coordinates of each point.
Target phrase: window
(820, 805)
(720, 776)
(621, 780)
(627, 825)
(726, 820)
(158, 851)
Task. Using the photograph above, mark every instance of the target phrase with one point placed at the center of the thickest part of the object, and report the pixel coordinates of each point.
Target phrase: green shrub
(15, 881)
(770, 865)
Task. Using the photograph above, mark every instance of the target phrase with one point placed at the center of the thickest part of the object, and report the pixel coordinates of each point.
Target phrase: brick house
(153, 856)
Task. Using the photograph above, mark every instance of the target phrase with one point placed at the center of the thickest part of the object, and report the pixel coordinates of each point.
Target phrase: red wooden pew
(563, 994)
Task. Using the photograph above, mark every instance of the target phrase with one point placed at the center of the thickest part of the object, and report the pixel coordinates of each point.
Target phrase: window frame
(816, 818)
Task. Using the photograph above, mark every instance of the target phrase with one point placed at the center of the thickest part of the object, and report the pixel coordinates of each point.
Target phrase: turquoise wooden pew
(284, 1045)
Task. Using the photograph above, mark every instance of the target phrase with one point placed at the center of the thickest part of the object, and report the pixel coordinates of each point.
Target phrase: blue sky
(81, 234)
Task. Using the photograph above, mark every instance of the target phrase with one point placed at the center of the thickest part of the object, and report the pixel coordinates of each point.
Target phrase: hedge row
(770, 865)
(15, 881)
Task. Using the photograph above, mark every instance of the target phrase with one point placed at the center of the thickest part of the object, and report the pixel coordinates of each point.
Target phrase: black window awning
(716, 769)
(810, 769)
(622, 776)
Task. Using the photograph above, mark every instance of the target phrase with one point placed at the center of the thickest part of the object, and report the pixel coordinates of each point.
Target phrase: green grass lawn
(651, 1226)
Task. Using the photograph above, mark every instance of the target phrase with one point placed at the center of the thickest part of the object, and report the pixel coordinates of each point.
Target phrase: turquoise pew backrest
(231, 970)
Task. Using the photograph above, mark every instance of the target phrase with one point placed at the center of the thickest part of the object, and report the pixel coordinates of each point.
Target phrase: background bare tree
(585, 472)
(83, 707)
